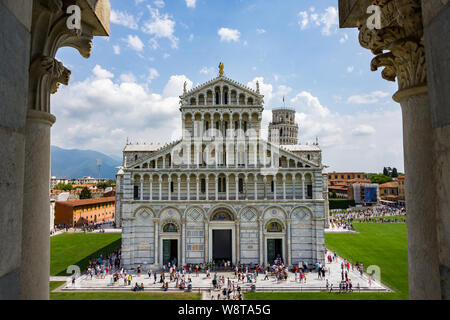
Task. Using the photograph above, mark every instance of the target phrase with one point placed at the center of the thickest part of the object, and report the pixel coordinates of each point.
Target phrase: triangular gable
(231, 83)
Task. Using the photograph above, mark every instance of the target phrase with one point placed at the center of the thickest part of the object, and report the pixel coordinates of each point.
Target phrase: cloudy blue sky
(130, 85)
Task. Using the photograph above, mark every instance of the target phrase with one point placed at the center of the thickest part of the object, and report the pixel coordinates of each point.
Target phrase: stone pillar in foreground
(49, 32)
(35, 266)
(15, 26)
(399, 46)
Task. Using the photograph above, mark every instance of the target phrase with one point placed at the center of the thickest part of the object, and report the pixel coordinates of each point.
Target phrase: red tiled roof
(76, 203)
(389, 185)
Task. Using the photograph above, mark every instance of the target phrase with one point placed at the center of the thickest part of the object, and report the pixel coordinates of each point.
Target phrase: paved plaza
(360, 282)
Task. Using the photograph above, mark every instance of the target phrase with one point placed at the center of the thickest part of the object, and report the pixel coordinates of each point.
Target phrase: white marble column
(141, 193)
(238, 241)
(288, 238)
(188, 185)
(206, 241)
(256, 186)
(246, 188)
(293, 187)
(227, 187)
(160, 188)
(261, 241)
(284, 188)
(183, 242)
(197, 181)
(169, 189)
(156, 244)
(217, 187)
(151, 188)
(237, 187)
(189, 149)
(207, 187)
(303, 188)
(179, 188)
(265, 187)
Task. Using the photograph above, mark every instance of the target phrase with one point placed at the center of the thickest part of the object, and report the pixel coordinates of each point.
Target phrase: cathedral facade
(221, 192)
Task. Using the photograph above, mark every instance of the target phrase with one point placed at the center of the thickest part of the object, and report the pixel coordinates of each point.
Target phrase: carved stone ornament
(399, 44)
(50, 32)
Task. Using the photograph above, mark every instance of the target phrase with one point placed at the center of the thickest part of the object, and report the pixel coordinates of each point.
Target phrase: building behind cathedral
(222, 192)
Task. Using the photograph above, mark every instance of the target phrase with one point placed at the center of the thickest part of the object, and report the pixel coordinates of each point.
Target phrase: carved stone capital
(399, 44)
(49, 33)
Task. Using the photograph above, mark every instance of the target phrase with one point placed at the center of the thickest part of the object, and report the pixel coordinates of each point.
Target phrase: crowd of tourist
(344, 218)
(223, 286)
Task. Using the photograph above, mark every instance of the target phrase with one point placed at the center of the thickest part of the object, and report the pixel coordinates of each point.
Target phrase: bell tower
(283, 127)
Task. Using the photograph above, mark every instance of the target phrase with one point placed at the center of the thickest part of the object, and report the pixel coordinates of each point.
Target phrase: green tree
(106, 184)
(385, 171)
(85, 193)
(64, 187)
(333, 194)
(394, 173)
(380, 178)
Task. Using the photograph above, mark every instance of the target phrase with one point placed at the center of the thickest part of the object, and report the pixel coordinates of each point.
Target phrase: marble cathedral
(222, 192)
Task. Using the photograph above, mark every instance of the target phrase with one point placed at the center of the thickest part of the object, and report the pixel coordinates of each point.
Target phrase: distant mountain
(81, 163)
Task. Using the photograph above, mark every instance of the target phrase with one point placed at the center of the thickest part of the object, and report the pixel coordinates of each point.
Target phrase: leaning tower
(283, 127)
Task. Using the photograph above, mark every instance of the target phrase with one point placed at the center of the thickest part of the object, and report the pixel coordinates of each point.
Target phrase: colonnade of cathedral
(223, 186)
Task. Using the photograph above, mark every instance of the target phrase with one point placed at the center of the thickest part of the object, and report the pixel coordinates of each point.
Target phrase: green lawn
(376, 244)
(400, 218)
(75, 249)
(118, 295)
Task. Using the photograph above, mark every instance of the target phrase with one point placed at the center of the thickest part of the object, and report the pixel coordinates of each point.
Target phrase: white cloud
(206, 70)
(362, 141)
(159, 3)
(116, 49)
(370, 98)
(344, 38)
(228, 35)
(135, 43)
(350, 69)
(160, 26)
(190, 3)
(260, 31)
(127, 77)
(101, 73)
(363, 130)
(328, 20)
(110, 110)
(153, 74)
(174, 87)
(124, 19)
(303, 19)
(191, 37)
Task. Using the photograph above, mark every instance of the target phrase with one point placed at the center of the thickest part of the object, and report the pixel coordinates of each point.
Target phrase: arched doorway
(222, 236)
(274, 235)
